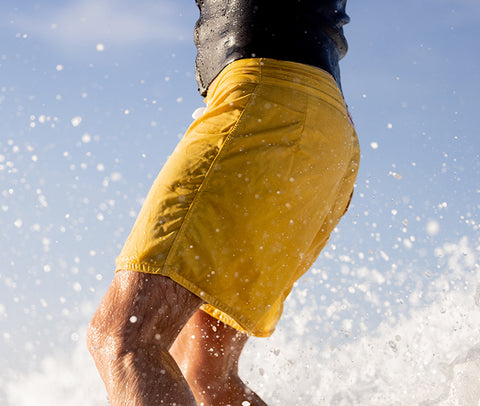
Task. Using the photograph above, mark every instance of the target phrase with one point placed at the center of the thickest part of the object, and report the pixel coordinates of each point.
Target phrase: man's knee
(108, 339)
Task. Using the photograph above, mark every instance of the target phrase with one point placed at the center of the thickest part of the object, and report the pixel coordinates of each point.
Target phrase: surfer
(239, 212)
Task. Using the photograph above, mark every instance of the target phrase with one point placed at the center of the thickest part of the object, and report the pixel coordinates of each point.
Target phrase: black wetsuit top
(305, 31)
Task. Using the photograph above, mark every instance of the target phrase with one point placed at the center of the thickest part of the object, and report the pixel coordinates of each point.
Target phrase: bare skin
(207, 351)
(130, 335)
(136, 340)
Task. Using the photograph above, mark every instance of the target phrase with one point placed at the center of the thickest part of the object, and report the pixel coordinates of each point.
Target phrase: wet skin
(140, 339)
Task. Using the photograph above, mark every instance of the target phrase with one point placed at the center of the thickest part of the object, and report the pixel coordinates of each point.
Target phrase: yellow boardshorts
(249, 197)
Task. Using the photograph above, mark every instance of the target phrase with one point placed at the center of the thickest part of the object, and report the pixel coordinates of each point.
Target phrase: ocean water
(427, 354)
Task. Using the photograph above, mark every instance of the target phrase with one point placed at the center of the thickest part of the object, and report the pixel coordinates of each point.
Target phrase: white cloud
(84, 23)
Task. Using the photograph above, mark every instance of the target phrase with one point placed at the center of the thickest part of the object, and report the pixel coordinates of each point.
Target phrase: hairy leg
(130, 336)
(207, 352)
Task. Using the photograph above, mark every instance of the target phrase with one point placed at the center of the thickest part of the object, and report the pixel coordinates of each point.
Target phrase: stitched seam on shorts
(307, 96)
(327, 238)
(187, 216)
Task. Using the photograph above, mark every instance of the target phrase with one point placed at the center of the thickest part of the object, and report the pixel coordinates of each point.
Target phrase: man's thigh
(141, 308)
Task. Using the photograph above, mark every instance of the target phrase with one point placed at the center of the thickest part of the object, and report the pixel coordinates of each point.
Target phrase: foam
(427, 355)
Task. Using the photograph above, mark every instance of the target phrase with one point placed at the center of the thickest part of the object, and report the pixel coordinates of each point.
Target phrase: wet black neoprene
(305, 31)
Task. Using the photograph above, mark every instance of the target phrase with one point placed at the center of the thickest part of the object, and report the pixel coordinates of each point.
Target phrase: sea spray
(430, 355)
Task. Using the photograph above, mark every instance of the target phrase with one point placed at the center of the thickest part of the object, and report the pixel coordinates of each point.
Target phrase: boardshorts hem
(211, 306)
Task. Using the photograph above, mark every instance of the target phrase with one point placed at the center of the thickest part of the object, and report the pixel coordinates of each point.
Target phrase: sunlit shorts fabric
(250, 195)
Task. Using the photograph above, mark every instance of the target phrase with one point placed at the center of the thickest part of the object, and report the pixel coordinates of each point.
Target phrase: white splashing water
(429, 356)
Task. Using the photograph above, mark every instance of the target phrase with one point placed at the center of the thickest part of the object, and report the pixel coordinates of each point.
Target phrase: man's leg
(130, 335)
(207, 352)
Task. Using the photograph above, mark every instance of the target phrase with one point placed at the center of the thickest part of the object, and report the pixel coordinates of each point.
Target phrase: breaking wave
(427, 354)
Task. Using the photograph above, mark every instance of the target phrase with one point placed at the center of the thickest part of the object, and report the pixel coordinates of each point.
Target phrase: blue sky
(94, 96)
